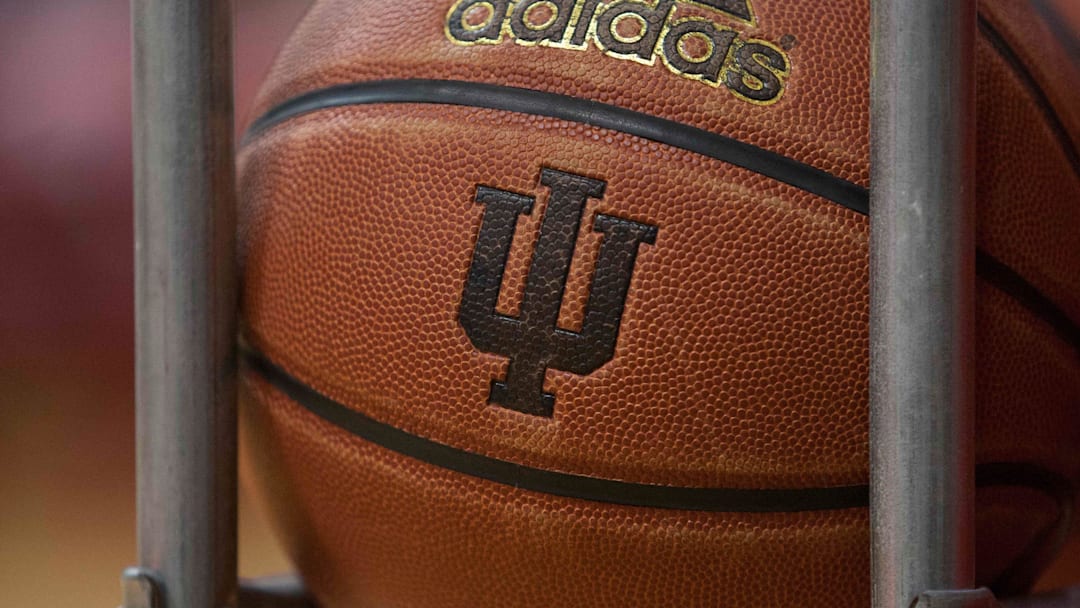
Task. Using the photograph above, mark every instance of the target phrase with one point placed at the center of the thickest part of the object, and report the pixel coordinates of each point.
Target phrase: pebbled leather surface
(782, 285)
(741, 352)
(398, 532)
(822, 119)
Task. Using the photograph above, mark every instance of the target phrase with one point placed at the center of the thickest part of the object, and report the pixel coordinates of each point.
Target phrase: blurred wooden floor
(67, 518)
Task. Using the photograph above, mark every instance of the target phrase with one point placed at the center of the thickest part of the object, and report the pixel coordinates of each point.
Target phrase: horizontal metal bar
(1065, 598)
(286, 591)
(141, 588)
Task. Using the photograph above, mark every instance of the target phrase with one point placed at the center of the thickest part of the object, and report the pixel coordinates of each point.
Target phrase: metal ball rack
(922, 309)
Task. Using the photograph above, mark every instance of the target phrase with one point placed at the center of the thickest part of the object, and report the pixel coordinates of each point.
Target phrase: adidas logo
(693, 47)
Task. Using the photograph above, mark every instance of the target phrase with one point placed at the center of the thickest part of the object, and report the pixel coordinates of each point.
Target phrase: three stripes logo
(532, 341)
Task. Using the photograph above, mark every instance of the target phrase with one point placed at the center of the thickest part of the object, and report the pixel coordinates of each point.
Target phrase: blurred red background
(67, 514)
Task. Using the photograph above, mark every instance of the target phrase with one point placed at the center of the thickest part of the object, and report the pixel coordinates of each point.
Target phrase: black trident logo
(532, 341)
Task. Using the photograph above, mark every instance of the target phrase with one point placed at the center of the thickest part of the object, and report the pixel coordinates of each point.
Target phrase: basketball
(565, 302)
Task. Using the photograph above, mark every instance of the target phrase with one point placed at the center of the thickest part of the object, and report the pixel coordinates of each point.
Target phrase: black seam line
(597, 114)
(1057, 24)
(1006, 52)
(1019, 576)
(1011, 283)
(735, 500)
(994, 271)
(575, 109)
(554, 482)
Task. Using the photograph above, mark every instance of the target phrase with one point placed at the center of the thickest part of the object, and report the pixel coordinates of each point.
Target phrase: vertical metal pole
(185, 301)
(921, 292)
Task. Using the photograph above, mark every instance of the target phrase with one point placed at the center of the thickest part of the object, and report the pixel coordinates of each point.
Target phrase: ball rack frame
(921, 301)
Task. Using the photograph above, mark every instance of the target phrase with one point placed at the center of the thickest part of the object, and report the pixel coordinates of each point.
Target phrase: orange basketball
(564, 302)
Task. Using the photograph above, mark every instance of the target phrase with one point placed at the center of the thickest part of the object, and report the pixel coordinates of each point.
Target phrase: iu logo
(532, 341)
